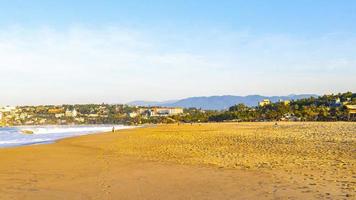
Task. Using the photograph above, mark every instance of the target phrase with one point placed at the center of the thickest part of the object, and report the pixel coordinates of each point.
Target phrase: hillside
(219, 102)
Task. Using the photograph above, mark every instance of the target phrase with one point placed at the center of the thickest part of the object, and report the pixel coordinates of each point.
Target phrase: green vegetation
(323, 108)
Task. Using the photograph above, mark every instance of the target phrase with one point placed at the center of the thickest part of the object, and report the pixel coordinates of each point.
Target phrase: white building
(264, 102)
(162, 111)
(133, 114)
(72, 113)
(59, 115)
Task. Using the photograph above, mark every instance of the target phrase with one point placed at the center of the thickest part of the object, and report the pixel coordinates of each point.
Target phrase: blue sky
(54, 52)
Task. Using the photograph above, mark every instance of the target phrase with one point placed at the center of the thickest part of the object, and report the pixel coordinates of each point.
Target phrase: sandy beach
(207, 161)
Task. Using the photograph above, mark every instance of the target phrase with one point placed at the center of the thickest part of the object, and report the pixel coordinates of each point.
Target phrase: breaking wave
(16, 136)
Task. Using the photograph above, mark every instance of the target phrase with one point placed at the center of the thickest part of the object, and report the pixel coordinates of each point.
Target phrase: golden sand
(207, 161)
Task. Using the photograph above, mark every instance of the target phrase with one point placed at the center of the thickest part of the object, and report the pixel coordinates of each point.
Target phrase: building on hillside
(162, 111)
(264, 102)
(133, 114)
(335, 102)
(289, 117)
(351, 112)
(71, 113)
(59, 115)
(7, 109)
(284, 102)
(55, 110)
(347, 101)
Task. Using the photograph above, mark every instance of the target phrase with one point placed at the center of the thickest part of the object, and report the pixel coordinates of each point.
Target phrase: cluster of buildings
(350, 108)
(156, 112)
(290, 117)
(79, 114)
(337, 102)
(351, 112)
(334, 103)
(266, 102)
(30, 115)
(6, 109)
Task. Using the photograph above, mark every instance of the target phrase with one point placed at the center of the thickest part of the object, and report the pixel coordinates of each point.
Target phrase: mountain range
(219, 102)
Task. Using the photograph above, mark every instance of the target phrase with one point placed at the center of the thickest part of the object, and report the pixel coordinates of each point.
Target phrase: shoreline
(85, 169)
(110, 166)
(53, 134)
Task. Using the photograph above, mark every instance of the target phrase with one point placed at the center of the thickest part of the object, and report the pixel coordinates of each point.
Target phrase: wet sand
(100, 167)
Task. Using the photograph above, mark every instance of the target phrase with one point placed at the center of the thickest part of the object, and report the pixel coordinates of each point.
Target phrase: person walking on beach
(113, 129)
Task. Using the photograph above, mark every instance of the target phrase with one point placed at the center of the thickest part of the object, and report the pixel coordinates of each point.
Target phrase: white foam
(14, 136)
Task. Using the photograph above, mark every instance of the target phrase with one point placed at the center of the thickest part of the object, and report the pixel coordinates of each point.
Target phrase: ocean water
(13, 136)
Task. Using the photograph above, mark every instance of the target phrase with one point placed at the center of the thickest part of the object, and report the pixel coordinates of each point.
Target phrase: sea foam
(14, 136)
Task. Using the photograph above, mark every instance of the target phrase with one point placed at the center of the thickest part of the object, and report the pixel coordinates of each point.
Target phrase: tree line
(323, 108)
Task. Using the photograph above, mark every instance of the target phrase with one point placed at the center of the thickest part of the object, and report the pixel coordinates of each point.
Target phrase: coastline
(85, 167)
(46, 134)
(107, 166)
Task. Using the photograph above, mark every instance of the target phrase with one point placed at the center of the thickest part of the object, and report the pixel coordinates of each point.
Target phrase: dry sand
(208, 161)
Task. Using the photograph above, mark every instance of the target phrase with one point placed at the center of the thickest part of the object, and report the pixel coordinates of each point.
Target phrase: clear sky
(94, 51)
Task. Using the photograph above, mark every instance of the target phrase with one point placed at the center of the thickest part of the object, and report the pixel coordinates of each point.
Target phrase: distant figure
(113, 129)
(276, 124)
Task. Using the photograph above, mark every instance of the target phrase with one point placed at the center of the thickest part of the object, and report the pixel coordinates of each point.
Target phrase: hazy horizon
(160, 101)
(116, 52)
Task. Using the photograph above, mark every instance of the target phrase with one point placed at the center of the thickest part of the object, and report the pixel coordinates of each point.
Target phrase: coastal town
(178, 99)
(338, 107)
(81, 114)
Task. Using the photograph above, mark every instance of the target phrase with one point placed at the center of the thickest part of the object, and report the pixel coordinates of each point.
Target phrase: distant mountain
(220, 102)
(151, 103)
